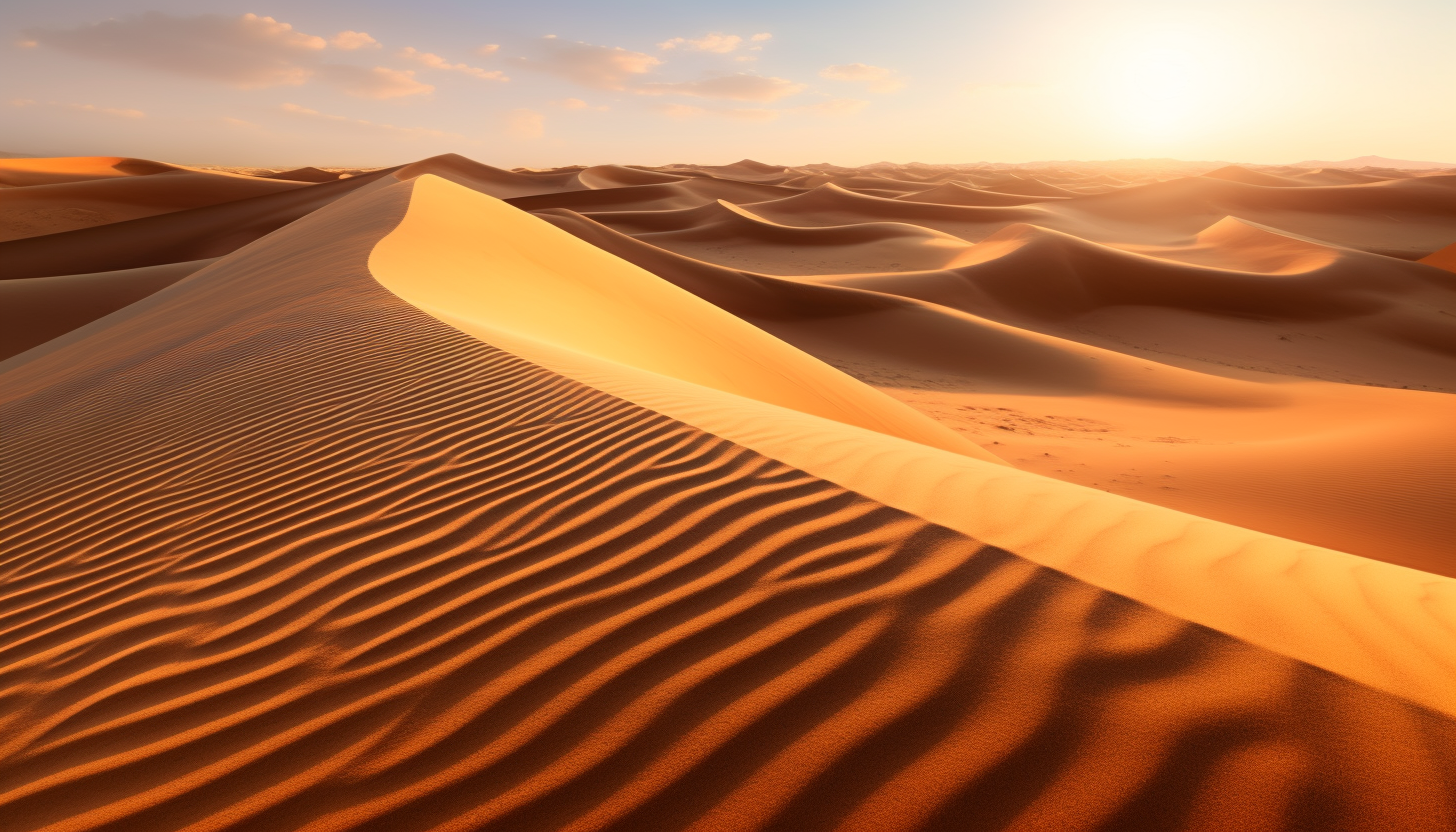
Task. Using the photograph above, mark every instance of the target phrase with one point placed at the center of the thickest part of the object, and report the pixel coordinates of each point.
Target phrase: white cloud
(599, 67)
(247, 51)
(349, 40)
(737, 87)
(487, 49)
(712, 42)
(761, 36)
(22, 102)
(377, 82)
(430, 59)
(414, 132)
(526, 124)
(875, 78)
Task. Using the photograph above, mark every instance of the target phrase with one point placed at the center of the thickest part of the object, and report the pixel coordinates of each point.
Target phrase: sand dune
(38, 309)
(731, 497)
(194, 234)
(304, 174)
(1401, 218)
(954, 193)
(81, 194)
(683, 193)
(25, 172)
(1029, 186)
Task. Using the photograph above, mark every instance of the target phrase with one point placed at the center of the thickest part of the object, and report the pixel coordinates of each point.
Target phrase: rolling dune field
(726, 497)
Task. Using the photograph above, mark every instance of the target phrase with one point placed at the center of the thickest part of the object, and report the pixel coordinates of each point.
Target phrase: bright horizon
(373, 83)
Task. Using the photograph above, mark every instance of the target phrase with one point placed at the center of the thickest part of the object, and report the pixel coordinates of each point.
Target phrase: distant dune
(1089, 496)
(1378, 162)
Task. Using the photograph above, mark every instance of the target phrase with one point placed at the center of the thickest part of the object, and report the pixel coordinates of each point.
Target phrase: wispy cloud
(434, 61)
(688, 111)
(315, 115)
(875, 79)
(578, 104)
(599, 67)
(829, 108)
(712, 42)
(113, 112)
(247, 51)
(737, 87)
(835, 107)
(526, 124)
(350, 40)
(372, 82)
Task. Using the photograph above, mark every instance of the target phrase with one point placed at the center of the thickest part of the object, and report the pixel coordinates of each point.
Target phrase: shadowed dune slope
(37, 309)
(286, 553)
(685, 193)
(195, 234)
(1407, 218)
(738, 237)
(48, 209)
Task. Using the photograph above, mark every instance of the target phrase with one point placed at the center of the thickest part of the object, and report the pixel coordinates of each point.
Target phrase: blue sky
(654, 82)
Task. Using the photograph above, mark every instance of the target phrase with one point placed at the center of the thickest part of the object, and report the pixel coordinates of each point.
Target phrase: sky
(555, 82)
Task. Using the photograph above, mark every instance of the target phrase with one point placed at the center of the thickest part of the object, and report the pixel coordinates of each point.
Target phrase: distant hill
(5, 154)
(1376, 162)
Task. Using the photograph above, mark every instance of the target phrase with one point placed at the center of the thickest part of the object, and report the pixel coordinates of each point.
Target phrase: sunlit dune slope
(964, 368)
(54, 171)
(553, 287)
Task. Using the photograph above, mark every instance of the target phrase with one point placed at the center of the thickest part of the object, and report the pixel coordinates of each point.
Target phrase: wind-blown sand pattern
(394, 506)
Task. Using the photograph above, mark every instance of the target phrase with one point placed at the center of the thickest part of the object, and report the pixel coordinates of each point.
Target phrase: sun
(1168, 83)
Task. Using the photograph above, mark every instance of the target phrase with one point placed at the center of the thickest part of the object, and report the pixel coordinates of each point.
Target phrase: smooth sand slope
(417, 511)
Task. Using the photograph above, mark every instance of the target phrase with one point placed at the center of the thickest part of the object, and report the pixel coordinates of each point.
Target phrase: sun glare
(1169, 82)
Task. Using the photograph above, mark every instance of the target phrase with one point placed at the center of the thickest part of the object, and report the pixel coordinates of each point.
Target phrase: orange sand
(727, 497)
